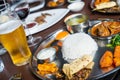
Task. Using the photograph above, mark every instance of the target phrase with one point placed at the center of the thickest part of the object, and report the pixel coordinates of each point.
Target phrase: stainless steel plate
(113, 10)
(96, 73)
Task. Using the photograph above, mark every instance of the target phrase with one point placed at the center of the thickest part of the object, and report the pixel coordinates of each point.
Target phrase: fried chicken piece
(117, 51)
(117, 61)
(106, 60)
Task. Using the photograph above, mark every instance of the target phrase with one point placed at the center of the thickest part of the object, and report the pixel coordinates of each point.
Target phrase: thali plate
(56, 15)
(113, 10)
(96, 73)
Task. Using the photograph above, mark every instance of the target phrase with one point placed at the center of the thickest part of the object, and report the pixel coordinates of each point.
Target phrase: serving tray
(113, 10)
(96, 73)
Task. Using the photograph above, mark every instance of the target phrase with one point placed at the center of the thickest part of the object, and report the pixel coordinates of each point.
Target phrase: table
(11, 69)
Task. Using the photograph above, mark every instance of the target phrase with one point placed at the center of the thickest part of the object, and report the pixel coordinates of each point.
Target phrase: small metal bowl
(77, 23)
(94, 23)
(46, 55)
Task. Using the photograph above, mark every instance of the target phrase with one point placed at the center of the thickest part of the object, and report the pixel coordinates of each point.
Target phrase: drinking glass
(2, 50)
(21, 7)
(1, 65)
(12, 36)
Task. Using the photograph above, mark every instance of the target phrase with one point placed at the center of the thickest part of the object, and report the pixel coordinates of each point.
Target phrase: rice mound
(77, 45)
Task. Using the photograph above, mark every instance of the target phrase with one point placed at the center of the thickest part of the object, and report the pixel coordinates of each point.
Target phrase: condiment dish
(76, 6)
(72, 1)
(46, 55)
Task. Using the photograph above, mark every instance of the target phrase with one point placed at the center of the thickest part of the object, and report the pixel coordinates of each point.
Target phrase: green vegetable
(115, 41)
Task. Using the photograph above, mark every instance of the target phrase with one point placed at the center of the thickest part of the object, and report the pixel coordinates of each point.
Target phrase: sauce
(30, 25)
(46, 53)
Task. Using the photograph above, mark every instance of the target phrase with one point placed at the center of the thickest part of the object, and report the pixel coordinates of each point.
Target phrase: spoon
(17, 76)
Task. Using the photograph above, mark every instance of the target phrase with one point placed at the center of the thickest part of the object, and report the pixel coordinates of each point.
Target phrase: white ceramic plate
(57, 14)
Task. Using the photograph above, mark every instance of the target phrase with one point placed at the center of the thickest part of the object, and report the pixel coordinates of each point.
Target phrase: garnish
(115, 41)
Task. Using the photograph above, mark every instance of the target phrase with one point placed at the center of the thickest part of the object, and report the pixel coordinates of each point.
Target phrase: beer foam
(3, 18)
(9, 26)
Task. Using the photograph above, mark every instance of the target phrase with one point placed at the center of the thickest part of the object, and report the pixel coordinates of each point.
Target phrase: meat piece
(117, 56)
(106, 60)
(114, 27)
(94, 30)
(41, 19)
(117, 61)
(103, 31)
(117, 51)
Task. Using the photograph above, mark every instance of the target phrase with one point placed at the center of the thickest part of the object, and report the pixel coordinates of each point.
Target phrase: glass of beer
(12, 36)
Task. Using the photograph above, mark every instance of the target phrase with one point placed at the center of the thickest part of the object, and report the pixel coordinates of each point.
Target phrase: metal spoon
(17, 76)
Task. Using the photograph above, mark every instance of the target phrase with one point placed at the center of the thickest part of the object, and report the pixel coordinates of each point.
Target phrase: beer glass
(12, 36)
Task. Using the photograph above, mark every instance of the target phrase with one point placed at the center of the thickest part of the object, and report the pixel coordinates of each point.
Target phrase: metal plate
(96, 73)
(113, 10)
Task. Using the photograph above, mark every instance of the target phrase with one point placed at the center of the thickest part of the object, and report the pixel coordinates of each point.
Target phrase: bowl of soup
(77, 23)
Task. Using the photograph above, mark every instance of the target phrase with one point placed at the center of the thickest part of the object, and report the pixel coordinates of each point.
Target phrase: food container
(72, 1)
(55, 3)
(76, 6)
(46, 55)
(100, 31)
(97, 72)
(77, 23)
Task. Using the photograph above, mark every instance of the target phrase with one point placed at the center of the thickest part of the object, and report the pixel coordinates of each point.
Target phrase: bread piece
(105, 5)
(90, 65)
(77, 65)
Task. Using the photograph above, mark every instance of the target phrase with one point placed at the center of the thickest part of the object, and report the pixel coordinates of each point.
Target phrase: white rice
(77, 45)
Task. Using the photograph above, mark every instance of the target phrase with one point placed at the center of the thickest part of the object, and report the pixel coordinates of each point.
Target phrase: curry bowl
(104, 29)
